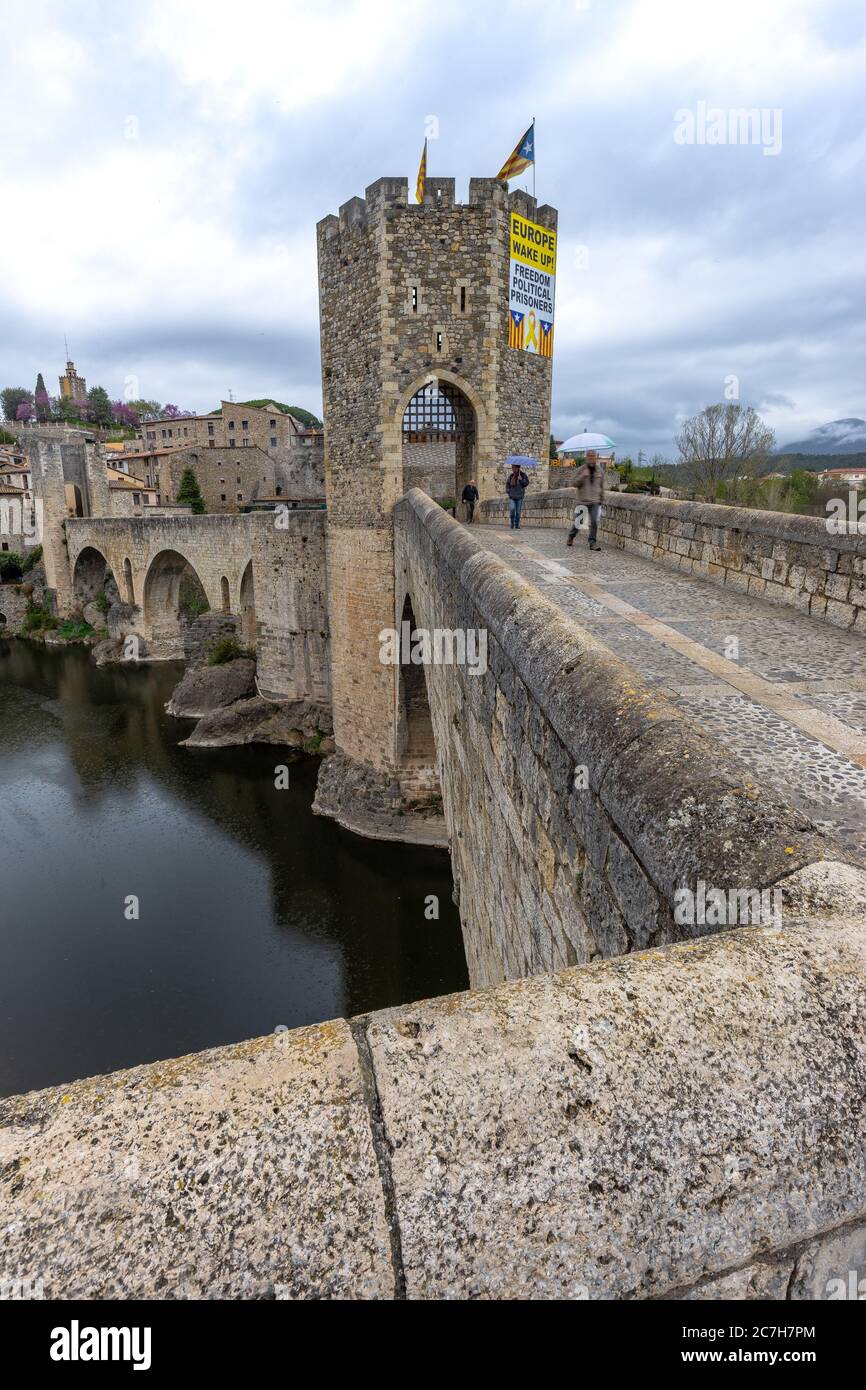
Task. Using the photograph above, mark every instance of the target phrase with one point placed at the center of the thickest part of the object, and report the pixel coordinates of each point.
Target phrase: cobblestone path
(784, 692)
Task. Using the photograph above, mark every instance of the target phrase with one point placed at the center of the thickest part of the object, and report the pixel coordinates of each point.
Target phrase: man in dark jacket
(469, 495)
(515, 486)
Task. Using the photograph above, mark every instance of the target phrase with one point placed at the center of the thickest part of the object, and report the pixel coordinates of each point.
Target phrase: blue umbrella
(521, 461)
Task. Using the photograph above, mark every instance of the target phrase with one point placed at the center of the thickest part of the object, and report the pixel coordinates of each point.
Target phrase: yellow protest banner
(531, 286)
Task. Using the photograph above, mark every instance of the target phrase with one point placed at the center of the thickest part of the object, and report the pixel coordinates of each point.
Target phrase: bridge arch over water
(270, 577)
(163, 593)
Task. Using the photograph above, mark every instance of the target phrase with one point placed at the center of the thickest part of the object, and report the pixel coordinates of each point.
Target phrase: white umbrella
(578, 443)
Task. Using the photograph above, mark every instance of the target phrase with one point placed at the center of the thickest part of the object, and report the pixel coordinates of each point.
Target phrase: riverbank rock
(299, 724)
(112, 651)
(207, 688)
(106, 652)
(369, 803)
(92, 613)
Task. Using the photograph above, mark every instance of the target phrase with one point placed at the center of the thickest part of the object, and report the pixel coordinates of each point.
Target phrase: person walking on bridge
(590, 491)
(469, 495)
(515, 486)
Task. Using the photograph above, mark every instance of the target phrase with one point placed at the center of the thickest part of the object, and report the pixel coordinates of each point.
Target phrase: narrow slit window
(463, 299)
(414, 299)
(438, 342)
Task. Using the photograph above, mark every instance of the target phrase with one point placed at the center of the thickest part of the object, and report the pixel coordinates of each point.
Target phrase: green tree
(70, 412)
(99, 406)
(802, 487)
(11, 565)
(145, 410)
(308, 420)
(190, 492)
(42, 401)
(12, 397)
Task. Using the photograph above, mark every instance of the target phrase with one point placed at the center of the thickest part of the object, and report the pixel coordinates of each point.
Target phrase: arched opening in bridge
(93, 580)
(128, 586)
(173, 593)
(248, 607)
(416, 745)
(224, 594)
(439, 438)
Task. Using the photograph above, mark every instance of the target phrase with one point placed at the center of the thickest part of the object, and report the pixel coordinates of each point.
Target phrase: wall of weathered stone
(791, 560)
(291, 602)
(228, 478)
(680, 1123)
(300, 472)
(432, 467)
(548, 872)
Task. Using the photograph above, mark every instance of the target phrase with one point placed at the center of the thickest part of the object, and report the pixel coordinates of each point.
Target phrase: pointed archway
(439, 435)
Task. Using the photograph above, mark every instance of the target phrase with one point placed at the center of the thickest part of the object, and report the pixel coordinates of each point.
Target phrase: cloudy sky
(165, 164)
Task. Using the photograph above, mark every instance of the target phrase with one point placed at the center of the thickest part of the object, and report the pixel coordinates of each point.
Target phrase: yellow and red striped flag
(521, 156)
(422, 176)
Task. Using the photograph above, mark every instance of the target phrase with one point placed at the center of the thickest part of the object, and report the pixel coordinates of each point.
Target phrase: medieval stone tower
(421, 384)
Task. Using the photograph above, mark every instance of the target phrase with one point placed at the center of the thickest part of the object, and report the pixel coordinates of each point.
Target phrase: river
(252, 912)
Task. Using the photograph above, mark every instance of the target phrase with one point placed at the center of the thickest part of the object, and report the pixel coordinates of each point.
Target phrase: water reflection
(253, 912)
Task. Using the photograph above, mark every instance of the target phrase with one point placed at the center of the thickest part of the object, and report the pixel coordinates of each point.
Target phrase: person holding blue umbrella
(515, 486)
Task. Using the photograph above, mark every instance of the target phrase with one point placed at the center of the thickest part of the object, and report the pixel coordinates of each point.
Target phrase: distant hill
(813, 463)
(837, 437)
(309, 421)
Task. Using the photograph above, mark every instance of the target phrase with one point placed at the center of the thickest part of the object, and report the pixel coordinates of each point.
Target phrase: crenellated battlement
(389, 194)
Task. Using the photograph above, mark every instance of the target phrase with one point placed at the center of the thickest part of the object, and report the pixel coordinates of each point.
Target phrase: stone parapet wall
(681, 1123)
(550, 873)
(792, 560)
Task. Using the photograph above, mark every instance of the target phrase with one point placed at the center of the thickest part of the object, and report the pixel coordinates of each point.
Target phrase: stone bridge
(265, 569)
(583, 792)
(510, 1142)
(632, 731)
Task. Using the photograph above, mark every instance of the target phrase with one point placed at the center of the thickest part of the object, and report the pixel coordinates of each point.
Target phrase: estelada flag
(521, 156)
(422, 176)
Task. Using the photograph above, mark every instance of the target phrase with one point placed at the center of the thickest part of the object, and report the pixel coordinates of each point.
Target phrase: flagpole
(533, 157)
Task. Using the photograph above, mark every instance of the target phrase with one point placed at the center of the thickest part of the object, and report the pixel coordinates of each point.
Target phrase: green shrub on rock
(37, 619)
(225, 649)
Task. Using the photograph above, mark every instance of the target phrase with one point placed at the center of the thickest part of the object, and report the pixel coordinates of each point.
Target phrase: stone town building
(19, 519)
(229, 479)
(72, 386)
(296, 452)
(418, 376)
(20, 514)
(15, 472)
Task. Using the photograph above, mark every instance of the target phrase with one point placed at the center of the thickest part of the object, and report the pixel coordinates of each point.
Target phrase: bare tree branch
(724, 442)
